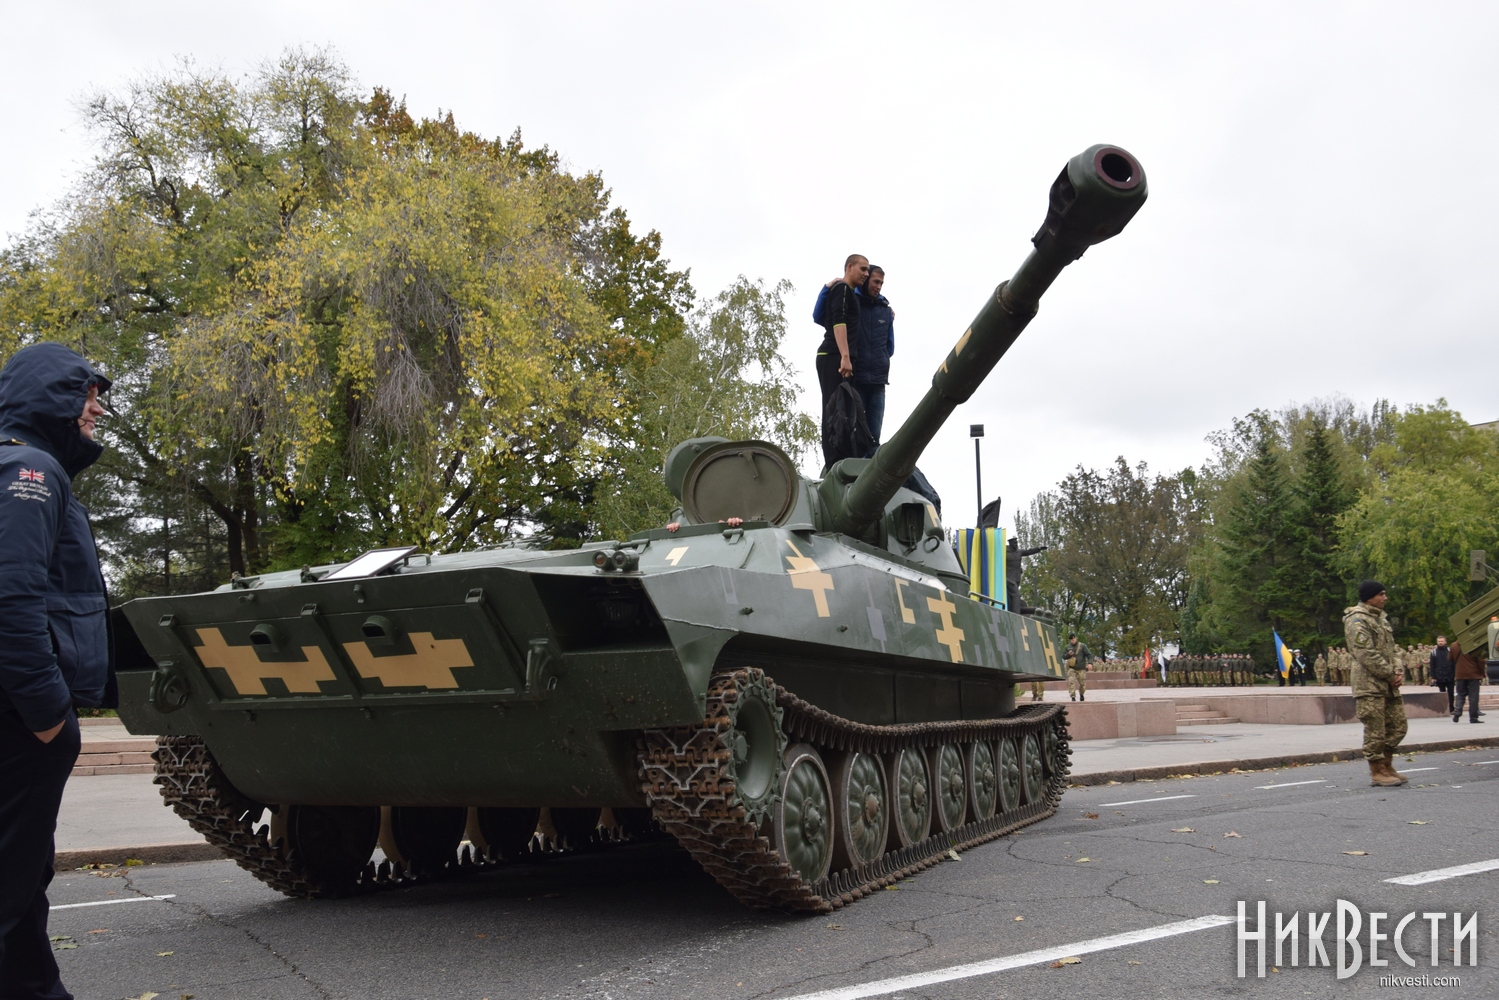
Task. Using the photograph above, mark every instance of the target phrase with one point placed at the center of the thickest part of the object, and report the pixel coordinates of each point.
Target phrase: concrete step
(1221, 721)
(116, 756)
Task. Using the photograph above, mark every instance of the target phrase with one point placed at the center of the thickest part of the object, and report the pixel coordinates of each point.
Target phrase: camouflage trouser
(1077, 681)
(1384, 722)
(1322, 675)
(1038, 690)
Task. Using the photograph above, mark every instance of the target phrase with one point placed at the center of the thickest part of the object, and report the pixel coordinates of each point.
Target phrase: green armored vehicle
(791, 679)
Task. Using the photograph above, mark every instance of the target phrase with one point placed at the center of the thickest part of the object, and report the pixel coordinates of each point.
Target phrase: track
(690, 795)
(688, 780)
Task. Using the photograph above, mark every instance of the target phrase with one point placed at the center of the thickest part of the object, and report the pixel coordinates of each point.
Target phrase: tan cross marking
(806, 576)
(1024, 636)
(247, 673)
(949, 634)
(431, 666)
(1050, 650)
(906, 614)
(676, 554)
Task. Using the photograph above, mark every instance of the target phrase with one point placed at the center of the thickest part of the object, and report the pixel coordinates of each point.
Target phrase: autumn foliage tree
(333, 326)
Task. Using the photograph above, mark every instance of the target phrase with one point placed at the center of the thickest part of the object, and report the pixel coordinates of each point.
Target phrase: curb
(1261, 763)
(151, 854)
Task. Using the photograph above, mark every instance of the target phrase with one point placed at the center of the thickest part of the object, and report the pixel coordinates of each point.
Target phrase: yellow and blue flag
(1282, 654)
(981, 552)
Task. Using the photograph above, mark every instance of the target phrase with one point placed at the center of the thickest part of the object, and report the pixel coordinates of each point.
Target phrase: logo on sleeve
(30, 485)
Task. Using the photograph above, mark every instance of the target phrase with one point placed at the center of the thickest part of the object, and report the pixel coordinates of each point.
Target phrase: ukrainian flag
(981, 553)
(1282, 654)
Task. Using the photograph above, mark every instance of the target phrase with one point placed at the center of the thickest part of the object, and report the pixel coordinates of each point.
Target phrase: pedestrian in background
(1376, 681)
(1075, 657)
(1467, 674)
(1441, 670)
(54, 639)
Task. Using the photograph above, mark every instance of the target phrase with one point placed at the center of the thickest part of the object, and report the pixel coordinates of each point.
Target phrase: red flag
(1146, 671)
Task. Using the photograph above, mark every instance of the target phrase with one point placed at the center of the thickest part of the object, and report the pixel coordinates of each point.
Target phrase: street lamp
(976, 431)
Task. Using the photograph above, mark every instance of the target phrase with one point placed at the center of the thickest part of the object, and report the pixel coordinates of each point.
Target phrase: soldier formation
(1225, 670)
(1336, 668)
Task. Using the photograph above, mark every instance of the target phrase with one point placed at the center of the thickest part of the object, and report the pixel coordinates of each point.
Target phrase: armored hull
(791, 679)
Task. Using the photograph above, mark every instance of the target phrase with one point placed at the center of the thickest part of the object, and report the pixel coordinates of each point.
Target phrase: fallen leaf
(1135, 961)
(954, 855)
(148, 995)
(1209, 881)
(100, 930)
(1083, 861)
(189, 996)
(1417, 822)
(835, 927)
(892, 888)
(1069, 960)
(65, 946)
(133, 862)
(1233, 833)
(1356, 853)
(60, 937)
(1090, 815)
(1019, 918)
(162, 954)
(1184, 829)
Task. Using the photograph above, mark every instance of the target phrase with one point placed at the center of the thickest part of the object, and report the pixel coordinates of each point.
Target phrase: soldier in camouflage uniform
(1377, 676)
(1319, 667)
(1416, 667)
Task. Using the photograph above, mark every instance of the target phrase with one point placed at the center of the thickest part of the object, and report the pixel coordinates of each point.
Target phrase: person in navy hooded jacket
(54, 636)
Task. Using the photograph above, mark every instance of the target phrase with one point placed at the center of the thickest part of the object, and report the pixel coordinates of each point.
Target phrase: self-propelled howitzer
(791, 678)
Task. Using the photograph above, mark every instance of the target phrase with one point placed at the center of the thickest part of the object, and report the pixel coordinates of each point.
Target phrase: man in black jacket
(837, 355)
(1441, 670)
(54, 640)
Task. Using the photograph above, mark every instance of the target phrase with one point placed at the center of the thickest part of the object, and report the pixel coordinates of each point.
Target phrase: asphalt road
(643, 921)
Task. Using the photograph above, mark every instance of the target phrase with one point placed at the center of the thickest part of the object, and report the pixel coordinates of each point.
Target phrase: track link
(684, 775)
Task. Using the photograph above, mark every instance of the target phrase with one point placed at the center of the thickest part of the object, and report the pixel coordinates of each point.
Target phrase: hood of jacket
(42, 391)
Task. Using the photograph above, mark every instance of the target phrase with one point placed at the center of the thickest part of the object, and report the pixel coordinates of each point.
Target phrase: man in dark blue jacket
(54, 639)
(874, 347)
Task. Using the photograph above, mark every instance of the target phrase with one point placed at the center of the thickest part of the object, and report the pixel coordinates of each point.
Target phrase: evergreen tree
(1256, 537)
(1322, 493)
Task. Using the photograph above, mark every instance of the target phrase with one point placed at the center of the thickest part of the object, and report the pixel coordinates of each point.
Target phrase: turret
(1093, 198)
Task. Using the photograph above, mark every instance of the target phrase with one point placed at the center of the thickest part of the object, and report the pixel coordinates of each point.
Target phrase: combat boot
(1389, 766)
(1381, 776)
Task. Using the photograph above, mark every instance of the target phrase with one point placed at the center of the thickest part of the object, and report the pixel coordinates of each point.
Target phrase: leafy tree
(332, 326)
(726, 376)
(1118, 563)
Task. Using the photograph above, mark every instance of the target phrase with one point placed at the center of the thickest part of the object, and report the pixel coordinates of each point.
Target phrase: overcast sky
(1322, 178)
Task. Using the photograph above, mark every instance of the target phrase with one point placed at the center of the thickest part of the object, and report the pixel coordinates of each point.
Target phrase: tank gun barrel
(1093, 198)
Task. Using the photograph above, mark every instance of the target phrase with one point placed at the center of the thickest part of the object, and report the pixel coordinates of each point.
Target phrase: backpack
(845, 429)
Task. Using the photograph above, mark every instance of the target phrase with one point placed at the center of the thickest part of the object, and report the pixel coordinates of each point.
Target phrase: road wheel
(333, 843)
(1032, 780)
(982, 779)
(1009, 775)
(863, 809)
(952, 789)
(804, 816)
(508, 832)
(910, 786)
(427, 837)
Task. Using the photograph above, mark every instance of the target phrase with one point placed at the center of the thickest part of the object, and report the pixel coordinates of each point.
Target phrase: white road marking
(947, 975)
(1438, 874)
(1489, 762)
(1413, 770)
(107, 902)
(1135, 802)
(1292, 784)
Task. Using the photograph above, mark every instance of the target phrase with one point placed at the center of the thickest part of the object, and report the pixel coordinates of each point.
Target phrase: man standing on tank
(54, 640)
(840, 319)
(876, 348)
